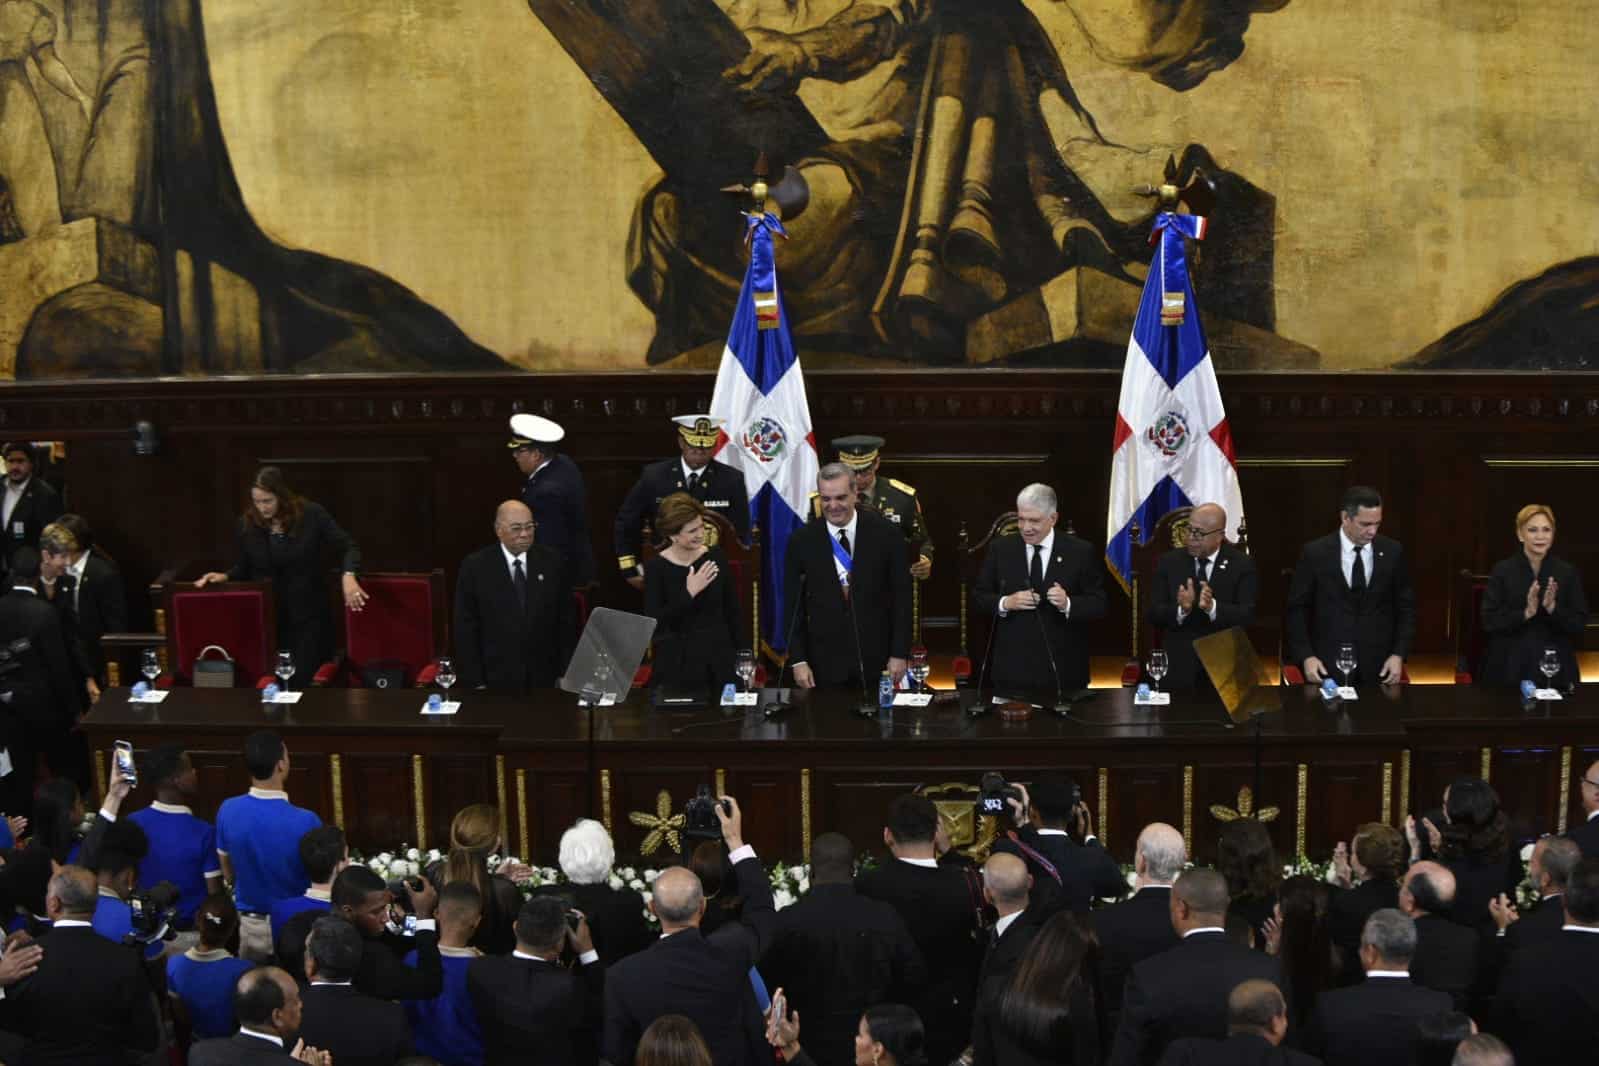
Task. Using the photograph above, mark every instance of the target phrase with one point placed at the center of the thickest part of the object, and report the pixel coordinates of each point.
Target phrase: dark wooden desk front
(368, 761)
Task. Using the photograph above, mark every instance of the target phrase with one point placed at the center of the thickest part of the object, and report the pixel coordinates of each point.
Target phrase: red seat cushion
(396, 624)
(233, 619)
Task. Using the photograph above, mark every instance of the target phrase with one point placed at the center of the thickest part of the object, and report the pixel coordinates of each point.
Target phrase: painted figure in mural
(960, 169)
(27, 39)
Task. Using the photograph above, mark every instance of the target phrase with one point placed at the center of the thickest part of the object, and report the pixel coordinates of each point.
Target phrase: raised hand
(1534, 597)
(700, 578)
(1551, 590)
(1186, 595)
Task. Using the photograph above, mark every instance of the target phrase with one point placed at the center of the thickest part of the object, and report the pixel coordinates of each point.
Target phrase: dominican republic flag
(1172, 447)
(766, 423)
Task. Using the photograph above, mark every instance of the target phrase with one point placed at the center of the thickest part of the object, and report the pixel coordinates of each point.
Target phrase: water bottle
(141, 689)
(729, 695)
(269, 694)
(885, 691)
(1529, 691)
(1329, 689)
(435, 702)
(1141, 695)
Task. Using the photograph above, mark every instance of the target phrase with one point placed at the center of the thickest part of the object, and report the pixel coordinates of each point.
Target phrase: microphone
(1061, 708)
(866, 708)
(980, 708)
(778, 704)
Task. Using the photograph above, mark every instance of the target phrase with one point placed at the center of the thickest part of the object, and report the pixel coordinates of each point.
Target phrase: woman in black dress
(286, 539)
(688, 590)
(1534, 600)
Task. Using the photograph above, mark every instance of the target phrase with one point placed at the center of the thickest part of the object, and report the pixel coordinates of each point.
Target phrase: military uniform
(720, 488)
(556, 495)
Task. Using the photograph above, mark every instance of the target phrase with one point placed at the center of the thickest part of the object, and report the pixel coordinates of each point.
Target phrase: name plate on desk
(1547, 694)
(1152, 699)
(285, 697)
(741, 699)
(912, 699)
(153, 696)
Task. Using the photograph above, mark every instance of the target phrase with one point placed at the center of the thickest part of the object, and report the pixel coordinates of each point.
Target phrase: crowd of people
(154, 935)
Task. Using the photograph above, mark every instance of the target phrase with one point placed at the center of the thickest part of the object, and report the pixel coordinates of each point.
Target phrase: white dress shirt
(1044, 548)
(511, 560)
(1210, 569)
(13, 497)
(1346, 558)
(833, 531)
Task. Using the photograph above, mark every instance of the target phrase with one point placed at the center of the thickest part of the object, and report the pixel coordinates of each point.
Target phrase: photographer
(116, 868)
(1055, 834)
(686, 972)
(363, 899)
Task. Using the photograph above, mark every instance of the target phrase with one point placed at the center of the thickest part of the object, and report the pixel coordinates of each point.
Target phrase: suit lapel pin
(541, 577)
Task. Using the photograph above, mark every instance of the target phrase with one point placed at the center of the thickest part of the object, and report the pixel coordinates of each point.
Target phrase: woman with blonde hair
(688, 590)
(1534, 603)
(475, 834)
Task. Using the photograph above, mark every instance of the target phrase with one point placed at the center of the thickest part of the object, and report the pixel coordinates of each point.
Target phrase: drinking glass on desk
(919, 667)
(150, 665)
(285, 668)
(1157, 665)
(445, 675)
(744, 669)
(1346, 662)
(1549, 665)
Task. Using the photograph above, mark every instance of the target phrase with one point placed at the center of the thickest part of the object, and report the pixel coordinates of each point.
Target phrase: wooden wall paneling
(380, 497)
(454, 782)
(556, 799)
(1431, 771)
(1344, 792)
(371, 824)
(1217, 783)
(637, 787)
(1527, 779)
(770, 802)
(1141, 794)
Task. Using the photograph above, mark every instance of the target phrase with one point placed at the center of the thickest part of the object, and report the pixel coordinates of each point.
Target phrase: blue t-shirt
(183, 849)
(205, 984)
(446, 1028)
(260, 834)
(113, 919)
(284, 909)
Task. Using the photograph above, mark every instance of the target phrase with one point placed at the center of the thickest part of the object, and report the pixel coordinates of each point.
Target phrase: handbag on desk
(213, 673)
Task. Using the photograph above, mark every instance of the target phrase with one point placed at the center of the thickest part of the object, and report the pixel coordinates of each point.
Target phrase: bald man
(515, 620)
(1136, 928)
(266, 1002)
(1204, 587)
(1183, 991)
(1006, 885)
(1257, 1022)
(1446, 953)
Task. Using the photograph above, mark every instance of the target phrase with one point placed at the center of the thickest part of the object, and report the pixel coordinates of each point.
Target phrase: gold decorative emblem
(1246, 809)
(663, 825)
(1179, 532)
(713, 535)
(956, 803)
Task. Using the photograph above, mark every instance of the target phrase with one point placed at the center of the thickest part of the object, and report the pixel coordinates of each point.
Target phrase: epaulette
(898, 484)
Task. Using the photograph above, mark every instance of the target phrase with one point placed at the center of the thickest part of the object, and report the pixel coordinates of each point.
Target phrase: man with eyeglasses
(1202, 588)
(515, 624)
(1586, 835)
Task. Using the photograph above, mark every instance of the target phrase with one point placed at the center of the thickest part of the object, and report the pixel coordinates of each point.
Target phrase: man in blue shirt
(446, 1027)
(183, 848)
(258, 841)
(323, 852)
(116, 869)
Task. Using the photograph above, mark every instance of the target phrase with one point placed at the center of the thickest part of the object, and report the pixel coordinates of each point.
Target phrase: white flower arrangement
(1527, 894)
(403, 863)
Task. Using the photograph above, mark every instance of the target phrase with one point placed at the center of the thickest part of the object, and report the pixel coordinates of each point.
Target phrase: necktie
(1202, 567)
(1035, 571)
(843, 541)
(693, 482)
(843, 577)
(519, 580)
(1357, 573)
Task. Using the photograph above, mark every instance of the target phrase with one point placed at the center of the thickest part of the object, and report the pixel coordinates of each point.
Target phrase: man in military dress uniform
(716, 485)
(889, 497)
(554, 492)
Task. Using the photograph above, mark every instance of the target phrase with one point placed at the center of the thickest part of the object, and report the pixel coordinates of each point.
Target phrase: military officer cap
(698, 431)
(530, 431)
(858, 452)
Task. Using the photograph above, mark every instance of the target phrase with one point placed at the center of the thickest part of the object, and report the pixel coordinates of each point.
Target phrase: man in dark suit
(362, 898)
(716, 485)
(97, 594)
(28, 504)
(356, 1029)
(1376, 862)
(1549, 869)
(44, 704)
(515, 624)
(1586, 835)
(1183, 991)
(89, 1002)
(848, 585)
(1041, 588)
(1257, 1021)
(1006, 884)
(266, 1000)
(1446, 954)
(939, 905)
(836, 952)
(1375, 1023)
(1055, 834)
(705, 978)
(1139, 927)
(554, 492)
(530, 1007)
(1352, 587)
(1199, 590)
(1547, 1008)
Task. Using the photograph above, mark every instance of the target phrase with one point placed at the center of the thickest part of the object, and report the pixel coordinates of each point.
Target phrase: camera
(397, 892)
(699, 815)
(993, 794)
(152, 913)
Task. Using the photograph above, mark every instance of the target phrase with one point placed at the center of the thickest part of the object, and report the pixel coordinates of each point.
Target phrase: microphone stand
(980, 707)
(866, 708)
(1062, 709)
(779, 703)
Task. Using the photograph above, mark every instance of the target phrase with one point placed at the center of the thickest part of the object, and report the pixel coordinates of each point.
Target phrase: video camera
(151, 914)
(994, 792)
(699, 815)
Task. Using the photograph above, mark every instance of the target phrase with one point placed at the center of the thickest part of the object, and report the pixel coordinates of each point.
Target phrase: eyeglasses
(1590, 782)
(1195, 533)
(521, 527)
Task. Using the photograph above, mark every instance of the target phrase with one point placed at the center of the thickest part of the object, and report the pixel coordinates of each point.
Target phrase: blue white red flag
(766, 422)
(1172, 446)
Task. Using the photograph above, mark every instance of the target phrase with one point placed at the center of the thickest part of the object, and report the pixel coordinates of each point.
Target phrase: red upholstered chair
(404, 621)
(237, 616)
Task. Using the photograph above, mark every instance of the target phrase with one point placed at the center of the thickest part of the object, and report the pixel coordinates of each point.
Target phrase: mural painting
(221, 186)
